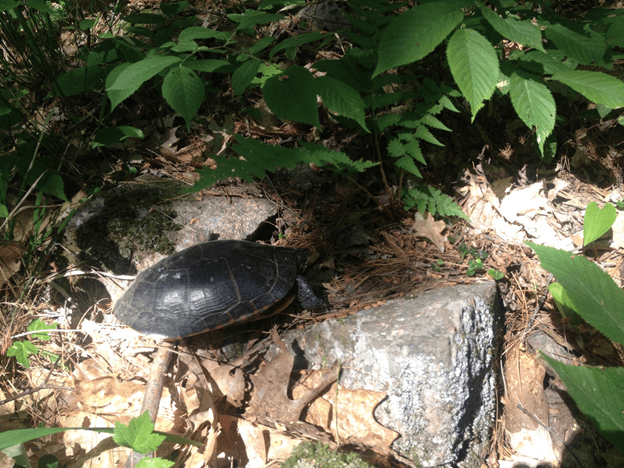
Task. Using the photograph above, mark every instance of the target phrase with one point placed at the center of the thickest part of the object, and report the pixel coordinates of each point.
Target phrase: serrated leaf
(407, 163)
(292, 96)
(341, 98)
(540, 63)
(598, 394)
(423, 133)
(597, 221)
(21, 350)
(138, 434)
(522, 32)
(259, 157)
(474, 66)
(183, 91)
(434, 122)
(111, 135)
(598, 87)
(414, 34)
(584, 48)
(596, 297)
(244, 75)
(534, 104)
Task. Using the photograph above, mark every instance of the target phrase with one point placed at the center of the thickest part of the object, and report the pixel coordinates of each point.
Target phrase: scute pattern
(206, 287)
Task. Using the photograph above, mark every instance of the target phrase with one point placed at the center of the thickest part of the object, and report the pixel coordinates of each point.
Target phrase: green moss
(319, 455)
(117, 234)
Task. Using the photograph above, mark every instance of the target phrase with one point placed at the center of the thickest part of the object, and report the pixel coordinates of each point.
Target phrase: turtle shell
(208, 286)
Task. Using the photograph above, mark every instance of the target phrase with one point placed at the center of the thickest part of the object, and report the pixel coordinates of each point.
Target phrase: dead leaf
(269, 400)
(10, 258)
(524, 379)
(353, 420)
(428, 228)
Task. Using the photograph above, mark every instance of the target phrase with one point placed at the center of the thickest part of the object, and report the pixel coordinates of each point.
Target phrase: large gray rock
(129, 228)
(433, 355)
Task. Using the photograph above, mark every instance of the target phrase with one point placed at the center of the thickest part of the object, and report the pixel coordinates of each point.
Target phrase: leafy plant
(22, 350)
(597, 221)
(139, 435)
(593, 295)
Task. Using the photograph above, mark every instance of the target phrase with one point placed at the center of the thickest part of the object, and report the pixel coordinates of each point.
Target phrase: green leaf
(118, 96)
(20, 436)
(40, 325)
(598, 394)
(154, 463)
(564, 303)
(21, 350)
(615, 34)
(138, 435)
(52, 184)
(598, 87)
(41, 6)
(534, 104)
(244, 75)
(111, 135)
(474, 66)
(197, 32)
(4, 212)
(138, 73)
(540, 63)
(183, 91)
(583, 48)
(523, 32)
(260, 45)
(122, 84)
(414, 34)
(78, 81)
(170, 9)
(597, 221)
(6, 5)
(342, 99)
(258, 158)
(86, 24)
(594, 294)
(292, 96)
(495, 274)
(297, 41)
(208, 65)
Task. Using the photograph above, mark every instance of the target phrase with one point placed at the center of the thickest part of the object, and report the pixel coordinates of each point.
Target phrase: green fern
(258, 158)
(432, 200)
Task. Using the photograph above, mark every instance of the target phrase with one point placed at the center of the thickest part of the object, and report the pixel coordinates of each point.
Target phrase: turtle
(212, 285)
